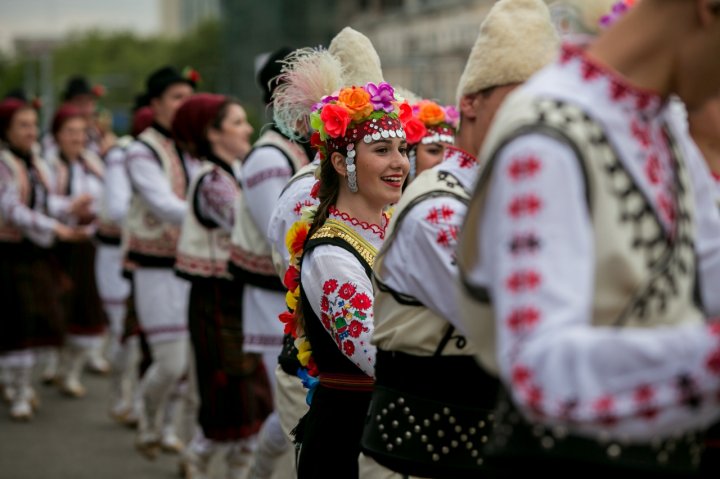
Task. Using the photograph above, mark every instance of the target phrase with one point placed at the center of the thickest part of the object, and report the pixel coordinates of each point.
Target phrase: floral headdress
(432, 123)
(618, 10)
(368, 113)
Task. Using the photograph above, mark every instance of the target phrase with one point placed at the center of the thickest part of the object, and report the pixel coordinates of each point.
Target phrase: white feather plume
(308, 75)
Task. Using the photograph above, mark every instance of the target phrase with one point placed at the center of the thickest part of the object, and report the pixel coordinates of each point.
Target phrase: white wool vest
(641, 279)
(203, 250)
(250, 250)
(148, 240)
(8, 232)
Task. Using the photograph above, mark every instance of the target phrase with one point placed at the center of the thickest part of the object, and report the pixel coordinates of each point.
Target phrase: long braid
(327, 194)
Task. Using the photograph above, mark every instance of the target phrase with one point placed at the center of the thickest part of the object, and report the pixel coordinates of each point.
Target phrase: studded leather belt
(423, 437)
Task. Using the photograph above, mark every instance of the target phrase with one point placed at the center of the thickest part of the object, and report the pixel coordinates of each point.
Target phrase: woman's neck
(355, 205)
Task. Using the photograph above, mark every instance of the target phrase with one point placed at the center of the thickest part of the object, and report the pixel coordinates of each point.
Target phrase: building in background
(178, 17)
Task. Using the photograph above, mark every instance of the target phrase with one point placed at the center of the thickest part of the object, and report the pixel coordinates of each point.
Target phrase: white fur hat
(579, 16)
(516, 39)
(360, 61)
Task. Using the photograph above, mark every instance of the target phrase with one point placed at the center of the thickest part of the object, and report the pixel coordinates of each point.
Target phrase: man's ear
(468, 106)
(338, 162)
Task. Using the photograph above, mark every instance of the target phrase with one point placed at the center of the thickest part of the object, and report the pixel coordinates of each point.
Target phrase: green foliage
(120, 61)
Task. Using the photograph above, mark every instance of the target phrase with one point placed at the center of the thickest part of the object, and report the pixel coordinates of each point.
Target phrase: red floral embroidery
(464, 159)
(618, 90)
(653, 169)
(444, 213)
(641, 133)
(361, 302)
(667, 208)
(346, 291)
(324, 304)
(715, 327)
(355, 329)
(520, 375)
(330, 286)
(523, 319)
(448, 237)
(590, 71)
(534, 397)
(523, 168)
(713, 362)
(300, 205)
(644, 393)
(326, 321)
(349, 348)
(525, 205)
(604, 408)
(523, 281)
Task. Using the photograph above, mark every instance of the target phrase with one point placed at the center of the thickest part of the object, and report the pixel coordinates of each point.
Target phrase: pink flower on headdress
(381, 96)
(452, 116)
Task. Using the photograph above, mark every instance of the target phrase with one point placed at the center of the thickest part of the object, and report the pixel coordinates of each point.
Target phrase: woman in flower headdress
(430, 130)
(359, 134)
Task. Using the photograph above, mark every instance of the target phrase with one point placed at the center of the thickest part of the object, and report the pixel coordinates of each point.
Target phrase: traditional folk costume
(86, 321)
(30, 291)
(422, 421)
(592, 239)
(234, 390)
(330, 273)
(159, 174)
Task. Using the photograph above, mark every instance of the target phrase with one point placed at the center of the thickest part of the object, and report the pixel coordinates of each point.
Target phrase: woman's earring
(412, 156)
(350, 163)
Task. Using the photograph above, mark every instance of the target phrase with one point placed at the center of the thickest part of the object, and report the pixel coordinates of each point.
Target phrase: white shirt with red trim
(420, 262)
(631, 384)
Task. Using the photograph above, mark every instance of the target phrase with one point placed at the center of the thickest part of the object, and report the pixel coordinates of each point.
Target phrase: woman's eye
(381, 150)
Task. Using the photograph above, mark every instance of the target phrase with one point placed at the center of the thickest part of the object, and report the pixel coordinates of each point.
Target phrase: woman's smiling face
(381, 168)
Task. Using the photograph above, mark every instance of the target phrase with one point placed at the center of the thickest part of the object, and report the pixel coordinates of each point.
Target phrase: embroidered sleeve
(264, 175)
(35, 225)
(707, 221)
(341, 295)
(537, 248)
(117, 185)
(150, 182)
(216, 200)
(421, 259)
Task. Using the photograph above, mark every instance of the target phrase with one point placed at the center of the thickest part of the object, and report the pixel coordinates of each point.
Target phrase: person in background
(77, 171)
(159, 175)
(30, 293)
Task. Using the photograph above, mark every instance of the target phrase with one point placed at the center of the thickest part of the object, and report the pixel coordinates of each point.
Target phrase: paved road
(75, 439)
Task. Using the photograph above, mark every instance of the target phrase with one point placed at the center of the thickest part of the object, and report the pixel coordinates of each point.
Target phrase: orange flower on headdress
(431, 113)
(357, 101)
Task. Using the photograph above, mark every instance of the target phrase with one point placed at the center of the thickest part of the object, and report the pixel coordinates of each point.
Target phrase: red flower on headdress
(192, 75)
(335, 119)
(99, 91)
(415, 130)
(406, 112)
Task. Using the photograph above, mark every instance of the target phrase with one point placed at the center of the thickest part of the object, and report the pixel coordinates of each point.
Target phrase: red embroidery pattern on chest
(523, 319)
(300, 205)
(448, 237)
(442, 214)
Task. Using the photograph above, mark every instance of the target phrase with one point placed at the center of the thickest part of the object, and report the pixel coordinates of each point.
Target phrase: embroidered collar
(716, 176)
(463, 158)
(162, 130)
(619, 89)
(376, 230)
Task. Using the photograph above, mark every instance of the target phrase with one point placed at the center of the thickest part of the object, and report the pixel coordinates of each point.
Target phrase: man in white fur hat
(420, 352)
(591, 250)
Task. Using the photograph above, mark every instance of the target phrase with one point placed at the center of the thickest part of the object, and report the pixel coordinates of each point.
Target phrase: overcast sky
(57, 17)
